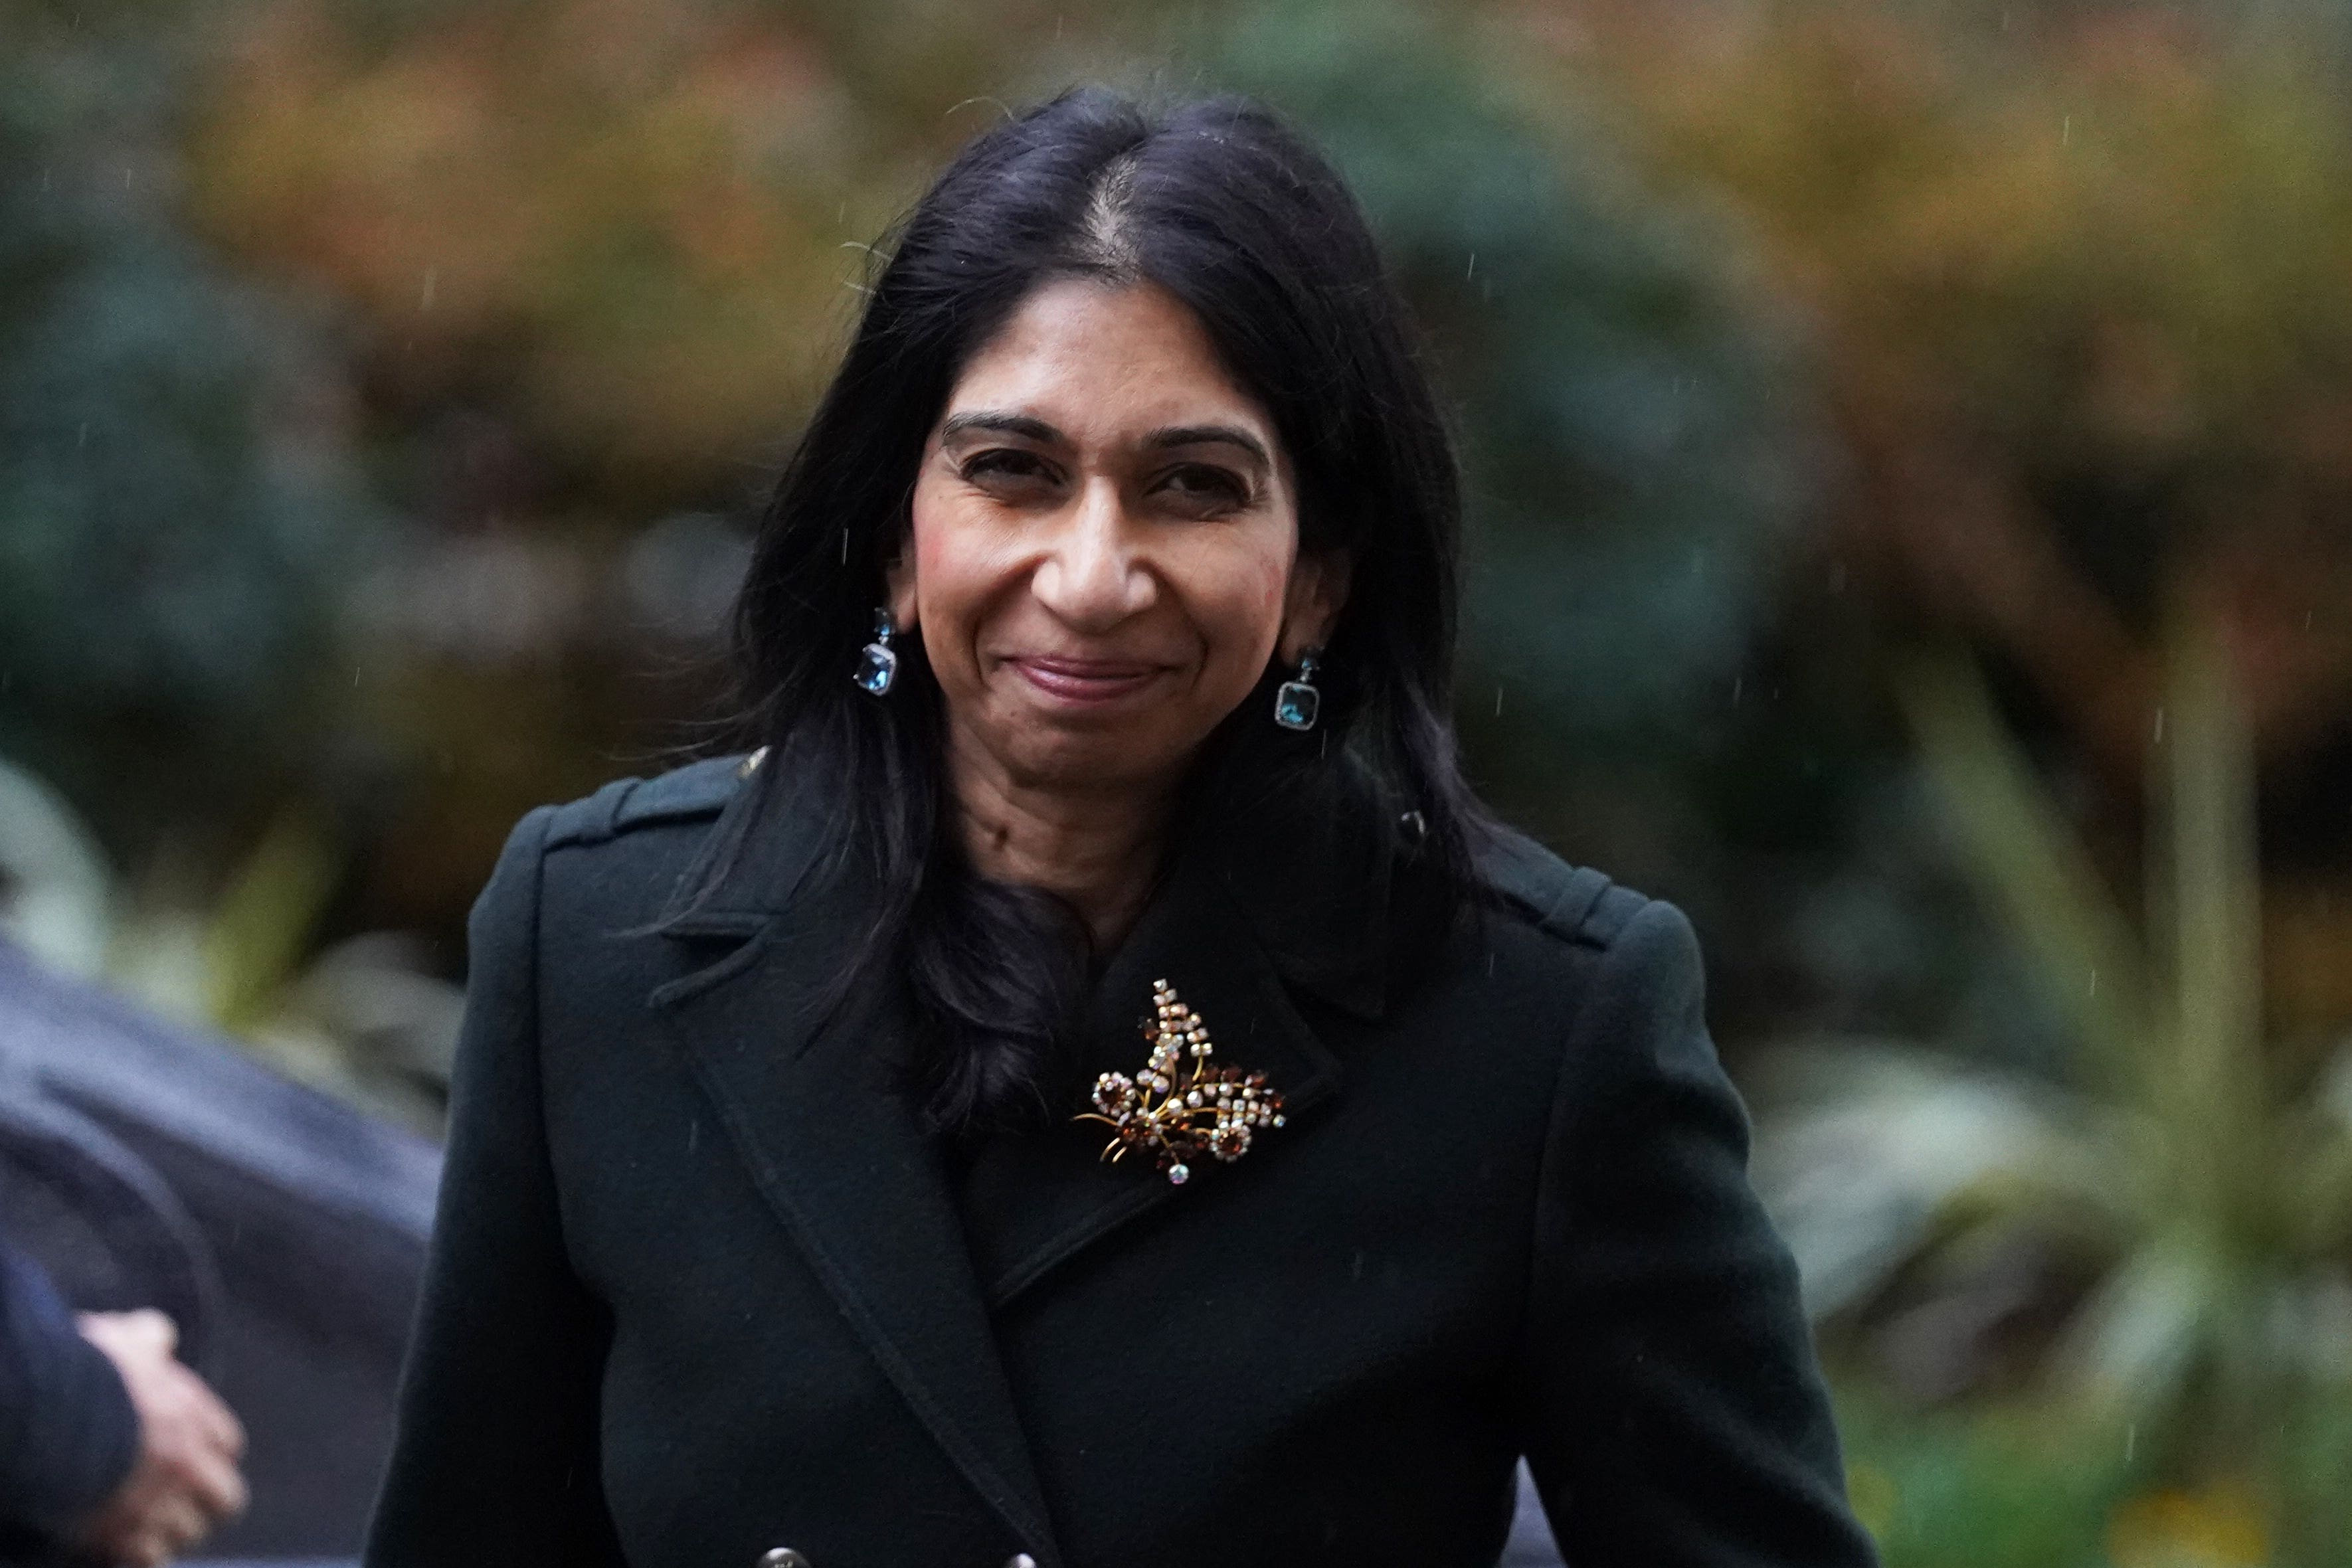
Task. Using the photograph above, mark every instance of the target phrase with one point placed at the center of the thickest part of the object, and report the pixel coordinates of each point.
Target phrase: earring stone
(877, 662)
(1298, 702)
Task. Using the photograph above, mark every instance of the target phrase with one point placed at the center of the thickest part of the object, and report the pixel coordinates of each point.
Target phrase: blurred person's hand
(185, 1480)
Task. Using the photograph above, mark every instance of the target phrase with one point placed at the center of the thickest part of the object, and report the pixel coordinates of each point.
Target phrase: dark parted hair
(1230, 211)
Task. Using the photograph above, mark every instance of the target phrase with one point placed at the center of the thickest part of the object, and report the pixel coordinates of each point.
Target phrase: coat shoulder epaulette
(1573, 902)
(697, 789)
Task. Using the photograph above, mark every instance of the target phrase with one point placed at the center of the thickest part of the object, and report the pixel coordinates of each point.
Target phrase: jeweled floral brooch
(1216, 1109)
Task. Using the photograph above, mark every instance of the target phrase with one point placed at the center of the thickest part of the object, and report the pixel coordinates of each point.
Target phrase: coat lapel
(812, 1107)
(1037, 1199)
(1251, 910)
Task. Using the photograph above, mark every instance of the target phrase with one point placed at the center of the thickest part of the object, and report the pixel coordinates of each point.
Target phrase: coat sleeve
(495, 1458)
(68, 1433)
(1678, 1417)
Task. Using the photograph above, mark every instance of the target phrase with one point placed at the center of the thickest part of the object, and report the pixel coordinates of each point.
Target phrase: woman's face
(1106, 544)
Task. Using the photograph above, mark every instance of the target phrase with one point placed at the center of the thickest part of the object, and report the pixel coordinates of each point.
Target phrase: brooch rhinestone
(1178, 1117)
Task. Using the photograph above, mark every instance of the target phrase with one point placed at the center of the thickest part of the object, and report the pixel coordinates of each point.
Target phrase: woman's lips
(1085, 680)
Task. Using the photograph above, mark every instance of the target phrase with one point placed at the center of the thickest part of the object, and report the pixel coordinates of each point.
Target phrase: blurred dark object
(72, 1432)
(145, 1165)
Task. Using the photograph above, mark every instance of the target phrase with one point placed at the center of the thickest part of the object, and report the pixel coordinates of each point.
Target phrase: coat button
(783, 1557)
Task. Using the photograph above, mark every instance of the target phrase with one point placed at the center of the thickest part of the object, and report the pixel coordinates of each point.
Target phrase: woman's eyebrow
(1003, 424)
(1201, 435)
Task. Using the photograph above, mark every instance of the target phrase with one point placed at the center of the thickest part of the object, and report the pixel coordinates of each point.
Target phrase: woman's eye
(1005, 463)
(1198, 485)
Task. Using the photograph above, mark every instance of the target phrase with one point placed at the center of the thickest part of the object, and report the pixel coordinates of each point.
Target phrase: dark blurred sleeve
(1679, 1419)
(68, 1433)
(495, 1459)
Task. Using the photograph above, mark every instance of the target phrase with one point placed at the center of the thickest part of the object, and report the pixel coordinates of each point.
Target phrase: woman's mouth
(1085, 680)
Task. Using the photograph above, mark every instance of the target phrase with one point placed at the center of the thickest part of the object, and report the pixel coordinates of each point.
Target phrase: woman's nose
(1094, 576)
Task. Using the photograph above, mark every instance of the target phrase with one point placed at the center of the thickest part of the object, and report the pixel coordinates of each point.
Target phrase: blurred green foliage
(2033, 1485)
(2070, 274)
(177, 492)
(2174, 1224)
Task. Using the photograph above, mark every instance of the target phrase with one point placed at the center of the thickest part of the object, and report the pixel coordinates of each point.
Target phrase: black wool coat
(700, 1289)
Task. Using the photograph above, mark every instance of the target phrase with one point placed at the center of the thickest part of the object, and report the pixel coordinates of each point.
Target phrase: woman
(777, 1226)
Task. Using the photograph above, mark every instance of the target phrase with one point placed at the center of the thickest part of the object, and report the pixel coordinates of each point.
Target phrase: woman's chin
(1089, 756)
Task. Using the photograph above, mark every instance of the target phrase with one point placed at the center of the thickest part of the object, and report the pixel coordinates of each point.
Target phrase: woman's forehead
(1105, 365)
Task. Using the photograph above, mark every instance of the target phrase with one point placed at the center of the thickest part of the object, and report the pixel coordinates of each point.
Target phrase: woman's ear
(1318, 591)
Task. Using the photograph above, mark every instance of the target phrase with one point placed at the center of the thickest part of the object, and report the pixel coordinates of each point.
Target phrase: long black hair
(1221, 204)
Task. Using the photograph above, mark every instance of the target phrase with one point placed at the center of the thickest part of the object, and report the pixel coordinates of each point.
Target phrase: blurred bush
(2069, 277)
(178, 488)
(2167, 1237)
(1637, 467)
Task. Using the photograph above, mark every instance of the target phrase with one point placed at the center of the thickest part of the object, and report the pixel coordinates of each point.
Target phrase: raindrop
(425, 297)
(1498, 702)
(2159, 727)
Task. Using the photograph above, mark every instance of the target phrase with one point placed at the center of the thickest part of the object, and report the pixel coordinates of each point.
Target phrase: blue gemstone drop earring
(1296, 703)
(877, 662)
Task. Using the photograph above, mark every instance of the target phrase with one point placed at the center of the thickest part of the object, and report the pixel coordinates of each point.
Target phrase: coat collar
(1248, 907)
(1313, 880)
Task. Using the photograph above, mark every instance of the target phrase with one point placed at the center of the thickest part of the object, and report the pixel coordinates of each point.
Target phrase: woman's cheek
(955, 567)
(936, 535)
(1265, 607)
